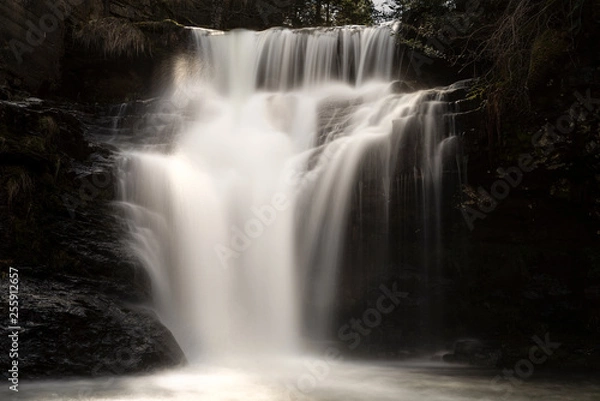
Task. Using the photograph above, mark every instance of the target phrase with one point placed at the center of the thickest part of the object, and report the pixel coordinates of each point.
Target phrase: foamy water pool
(312, 379)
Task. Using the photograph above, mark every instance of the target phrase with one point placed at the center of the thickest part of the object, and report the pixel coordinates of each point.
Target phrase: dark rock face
(69, 48)
(42, 54)
(528, 267)
(74, 326)
(30, 58)
(95, 71)
(81, 293)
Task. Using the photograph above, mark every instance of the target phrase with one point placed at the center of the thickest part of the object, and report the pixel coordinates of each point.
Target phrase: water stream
(312, 379)
(239, 216)
(241, 223)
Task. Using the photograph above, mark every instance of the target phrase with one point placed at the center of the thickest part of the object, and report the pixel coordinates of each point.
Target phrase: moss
(477, 92)
(34, 145)
(18, 183)
(546, 50)
(48, 125)
(592, 256)
(63, 258)
(4, 130)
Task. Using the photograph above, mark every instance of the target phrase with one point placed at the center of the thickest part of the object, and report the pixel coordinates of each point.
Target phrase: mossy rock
(547, 49)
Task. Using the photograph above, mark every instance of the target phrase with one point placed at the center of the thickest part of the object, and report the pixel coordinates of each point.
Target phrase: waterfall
(240, 216)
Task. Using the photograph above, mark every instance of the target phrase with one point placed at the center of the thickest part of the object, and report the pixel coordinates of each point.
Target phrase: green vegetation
(330, 12)
(515, 46)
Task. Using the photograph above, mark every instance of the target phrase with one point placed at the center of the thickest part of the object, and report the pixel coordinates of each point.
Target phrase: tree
(514, 44)
(360, 12)
(331, 12)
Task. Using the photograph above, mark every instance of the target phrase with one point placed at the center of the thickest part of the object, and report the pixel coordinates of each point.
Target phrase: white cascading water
(241, 221)
(238, 190)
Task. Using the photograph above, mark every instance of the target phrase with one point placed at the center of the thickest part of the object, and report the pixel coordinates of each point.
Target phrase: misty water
(241, 222)
(310, 378)
(239, 218)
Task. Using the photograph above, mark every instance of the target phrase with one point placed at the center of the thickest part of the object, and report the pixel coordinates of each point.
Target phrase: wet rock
(30, 56)
(73, 326)
(593, 293)
(5, 93)
(81, 307)
(40, 52)
(403, 87)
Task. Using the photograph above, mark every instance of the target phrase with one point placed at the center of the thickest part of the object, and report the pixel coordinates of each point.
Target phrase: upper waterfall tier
(282, 59)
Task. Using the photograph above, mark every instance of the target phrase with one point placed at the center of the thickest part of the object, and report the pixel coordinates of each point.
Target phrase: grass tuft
(19, 183)
(114, 37)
